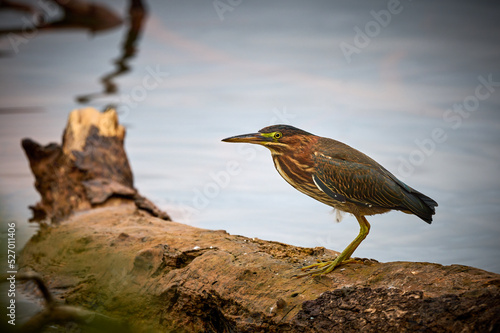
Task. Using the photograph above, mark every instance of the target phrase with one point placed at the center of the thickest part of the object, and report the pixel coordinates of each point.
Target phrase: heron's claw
(324, 267)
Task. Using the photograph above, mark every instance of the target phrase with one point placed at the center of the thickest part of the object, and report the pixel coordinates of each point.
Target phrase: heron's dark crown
(287, 130)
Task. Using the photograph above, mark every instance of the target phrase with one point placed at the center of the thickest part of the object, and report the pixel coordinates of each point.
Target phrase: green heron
(339, 176)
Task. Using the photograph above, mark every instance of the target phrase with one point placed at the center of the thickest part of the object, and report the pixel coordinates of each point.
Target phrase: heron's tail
(420, 205)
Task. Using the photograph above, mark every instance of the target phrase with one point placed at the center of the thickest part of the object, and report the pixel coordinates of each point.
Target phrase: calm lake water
(415, 85)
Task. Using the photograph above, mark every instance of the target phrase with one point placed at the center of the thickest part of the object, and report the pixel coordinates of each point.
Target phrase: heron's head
(278, 138)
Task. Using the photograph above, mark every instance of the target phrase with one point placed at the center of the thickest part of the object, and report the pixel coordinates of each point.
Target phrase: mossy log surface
(108, 253)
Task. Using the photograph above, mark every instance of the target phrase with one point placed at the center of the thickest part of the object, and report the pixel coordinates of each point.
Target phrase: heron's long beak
(257, 138)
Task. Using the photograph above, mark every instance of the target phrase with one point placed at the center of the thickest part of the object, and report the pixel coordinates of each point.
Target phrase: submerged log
(122, 262)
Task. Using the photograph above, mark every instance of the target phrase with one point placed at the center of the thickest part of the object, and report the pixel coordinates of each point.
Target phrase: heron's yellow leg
(328, 266)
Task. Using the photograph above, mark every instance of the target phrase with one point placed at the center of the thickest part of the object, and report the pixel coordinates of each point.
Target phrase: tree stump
(90, 169)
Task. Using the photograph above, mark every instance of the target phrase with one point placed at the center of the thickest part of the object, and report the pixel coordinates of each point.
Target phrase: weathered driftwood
(89, 170)
(124, 263)
(165, 275)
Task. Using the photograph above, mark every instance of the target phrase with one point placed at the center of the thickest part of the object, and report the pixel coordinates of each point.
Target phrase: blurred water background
(415, 85)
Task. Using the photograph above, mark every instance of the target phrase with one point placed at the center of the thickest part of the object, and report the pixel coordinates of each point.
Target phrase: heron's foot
(325, 267)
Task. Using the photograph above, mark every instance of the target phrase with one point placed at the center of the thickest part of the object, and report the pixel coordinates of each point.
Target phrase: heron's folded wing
(358, 183)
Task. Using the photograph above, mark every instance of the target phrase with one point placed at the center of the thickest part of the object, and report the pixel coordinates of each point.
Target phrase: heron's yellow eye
(277, 135)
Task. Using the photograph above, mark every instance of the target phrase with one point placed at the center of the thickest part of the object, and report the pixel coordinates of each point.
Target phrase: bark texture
(90, 169)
